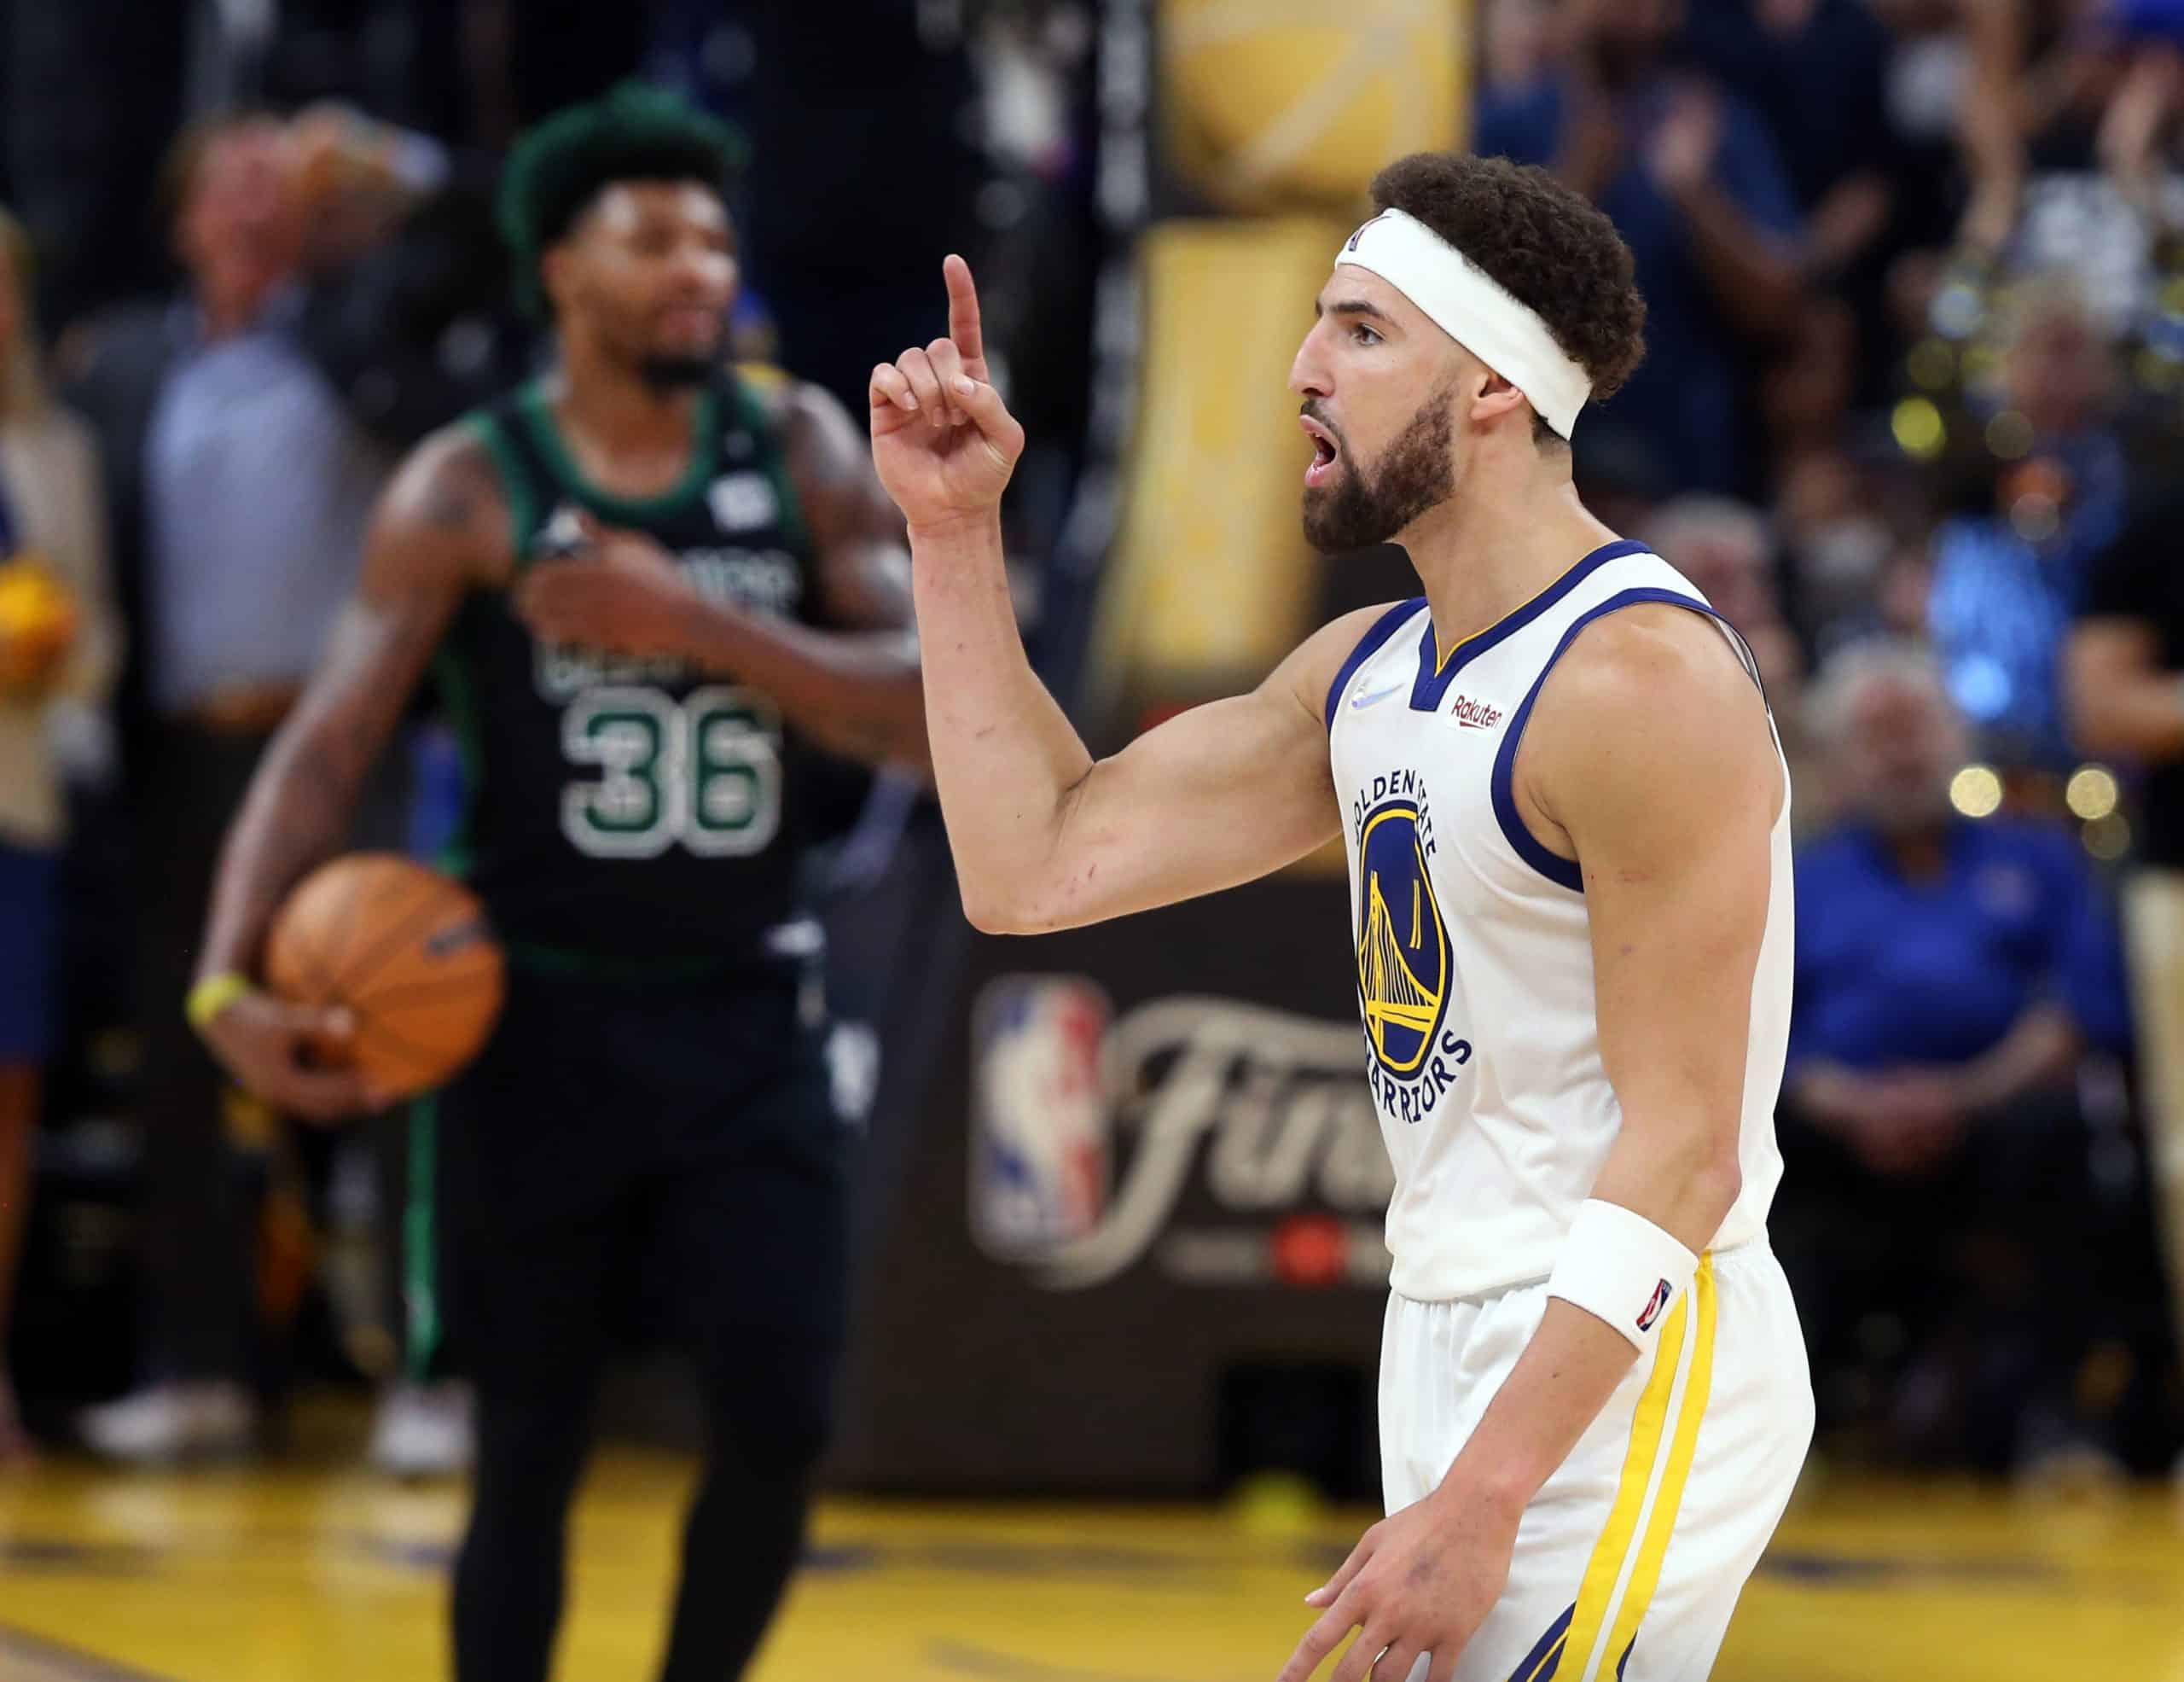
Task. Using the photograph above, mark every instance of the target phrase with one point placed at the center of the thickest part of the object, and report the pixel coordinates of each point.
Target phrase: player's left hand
(620, 591)
(1422, 1580)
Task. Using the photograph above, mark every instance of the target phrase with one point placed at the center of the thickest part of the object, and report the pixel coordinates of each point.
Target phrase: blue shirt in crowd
(1680, 408)
(260, 487)
(1891, 972)
(2001, 607)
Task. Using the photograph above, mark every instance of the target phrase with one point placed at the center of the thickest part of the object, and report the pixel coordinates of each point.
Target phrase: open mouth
(1324, 451)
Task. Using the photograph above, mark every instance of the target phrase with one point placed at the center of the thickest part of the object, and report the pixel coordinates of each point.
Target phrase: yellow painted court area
(296, 1575)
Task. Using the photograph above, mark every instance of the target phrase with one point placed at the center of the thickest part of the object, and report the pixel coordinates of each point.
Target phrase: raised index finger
(963, 326)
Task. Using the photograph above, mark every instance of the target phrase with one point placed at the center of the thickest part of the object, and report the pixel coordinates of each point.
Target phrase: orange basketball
(406, 950)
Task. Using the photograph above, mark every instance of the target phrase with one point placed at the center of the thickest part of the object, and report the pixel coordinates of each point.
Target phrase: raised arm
(439, 526)
(1044, 837)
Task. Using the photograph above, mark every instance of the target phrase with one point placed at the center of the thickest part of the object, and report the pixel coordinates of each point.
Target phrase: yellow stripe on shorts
(1647, 1575)
(1648, 1426)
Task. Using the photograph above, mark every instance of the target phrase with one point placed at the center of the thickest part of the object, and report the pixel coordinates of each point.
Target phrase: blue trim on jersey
(1546, 1657)
(1370, 644)
(1434, 676)
(1556, 868)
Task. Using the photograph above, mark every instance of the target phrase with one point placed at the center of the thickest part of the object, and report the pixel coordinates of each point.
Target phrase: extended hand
(1422, 1580)
(622, 592)
(944, 442)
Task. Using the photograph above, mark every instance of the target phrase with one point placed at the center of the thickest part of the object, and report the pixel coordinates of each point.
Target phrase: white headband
(1473, 310)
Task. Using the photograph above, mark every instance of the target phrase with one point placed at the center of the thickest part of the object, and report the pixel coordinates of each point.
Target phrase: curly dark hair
(1543, 244)
(632, 133)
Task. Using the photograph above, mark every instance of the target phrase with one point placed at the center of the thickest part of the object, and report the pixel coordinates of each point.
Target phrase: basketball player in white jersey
(1567, 820)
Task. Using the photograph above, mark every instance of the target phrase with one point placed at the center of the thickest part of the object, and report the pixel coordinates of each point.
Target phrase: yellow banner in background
(1274, 105)
(1210, 582)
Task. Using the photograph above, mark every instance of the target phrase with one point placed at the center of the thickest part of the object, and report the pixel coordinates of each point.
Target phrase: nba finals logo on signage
(1241, 1149)
(1039, 1139)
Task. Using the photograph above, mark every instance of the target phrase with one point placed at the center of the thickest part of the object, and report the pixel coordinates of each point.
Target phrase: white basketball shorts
(1629, 1561)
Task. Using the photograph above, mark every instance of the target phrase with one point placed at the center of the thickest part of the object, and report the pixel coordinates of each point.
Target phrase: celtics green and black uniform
(630, 809)
(648, 1137)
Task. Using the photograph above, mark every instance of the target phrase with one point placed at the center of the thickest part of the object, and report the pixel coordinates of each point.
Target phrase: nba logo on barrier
(1659, 1300)
(1039, 1121)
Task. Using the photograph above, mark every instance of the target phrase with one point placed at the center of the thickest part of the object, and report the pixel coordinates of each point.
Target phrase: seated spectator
(57, 641)
(1949, 973)
(1693, 180)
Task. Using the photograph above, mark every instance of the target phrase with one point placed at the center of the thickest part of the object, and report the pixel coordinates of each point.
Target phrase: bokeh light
(2091, 793)
(2009, 434)
(1919, 430)
(2107, 838)
(1976, 791)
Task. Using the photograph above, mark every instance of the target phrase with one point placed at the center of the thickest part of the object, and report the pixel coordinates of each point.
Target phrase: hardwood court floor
(323, 1575)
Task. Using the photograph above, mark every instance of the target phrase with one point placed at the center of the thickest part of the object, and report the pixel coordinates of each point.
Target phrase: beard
(677, 373)
(1369, 506)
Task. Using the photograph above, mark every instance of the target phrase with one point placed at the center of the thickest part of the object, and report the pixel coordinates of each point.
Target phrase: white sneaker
(172, 1422)
(423, 1431)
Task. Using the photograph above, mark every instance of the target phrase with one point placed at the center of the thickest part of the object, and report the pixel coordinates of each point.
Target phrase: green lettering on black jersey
(633, 808)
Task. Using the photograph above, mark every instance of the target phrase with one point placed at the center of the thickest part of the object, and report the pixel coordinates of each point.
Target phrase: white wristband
(1620, 1267)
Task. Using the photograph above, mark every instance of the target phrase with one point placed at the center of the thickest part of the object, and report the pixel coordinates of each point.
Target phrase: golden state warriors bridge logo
(1404, 961)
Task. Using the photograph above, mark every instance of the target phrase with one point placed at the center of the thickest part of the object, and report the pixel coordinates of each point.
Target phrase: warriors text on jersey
(1474, 963)
(626, 807)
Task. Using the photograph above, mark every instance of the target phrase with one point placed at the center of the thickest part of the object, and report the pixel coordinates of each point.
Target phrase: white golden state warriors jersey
(1474, 959)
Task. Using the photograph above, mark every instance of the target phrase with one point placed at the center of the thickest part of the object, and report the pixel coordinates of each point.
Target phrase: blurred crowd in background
(1914, 400)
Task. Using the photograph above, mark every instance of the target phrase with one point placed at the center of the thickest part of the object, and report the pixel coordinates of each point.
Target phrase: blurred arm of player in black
(1045, 836)
(440, 527)
(852, 688)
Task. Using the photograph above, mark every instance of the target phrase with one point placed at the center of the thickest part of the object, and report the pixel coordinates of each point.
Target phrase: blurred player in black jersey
(651, 584)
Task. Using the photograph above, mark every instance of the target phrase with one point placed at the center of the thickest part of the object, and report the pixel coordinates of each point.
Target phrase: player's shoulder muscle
(1314, 663)
(443, 517)
(829, 456)
(1647, 701)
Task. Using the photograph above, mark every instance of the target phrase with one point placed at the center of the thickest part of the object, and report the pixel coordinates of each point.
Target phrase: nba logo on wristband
(1662, 1293)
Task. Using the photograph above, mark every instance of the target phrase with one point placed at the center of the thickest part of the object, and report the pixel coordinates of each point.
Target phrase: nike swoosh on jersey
(1359, 702)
